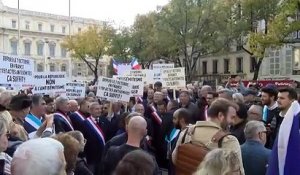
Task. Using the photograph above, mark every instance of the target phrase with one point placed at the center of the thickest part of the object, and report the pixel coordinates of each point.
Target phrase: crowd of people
(203, 131)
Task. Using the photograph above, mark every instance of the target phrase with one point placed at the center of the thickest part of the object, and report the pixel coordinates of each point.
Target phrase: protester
(239, 122)
(5, 98)
(136, 162)
(4, 133)
(39, 156)
(226, 93)
(136, 132)
(255, 155)
(71, 151)
(255, 112)
(61, 119)
(186, 103)
(73, 106)
(210, 97)
(77, 117)
(81, 163)
(220, 161)
(220, 114)
(238, 98)
(50, 108)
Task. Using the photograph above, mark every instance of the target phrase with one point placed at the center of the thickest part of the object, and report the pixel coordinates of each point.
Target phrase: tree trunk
(256, 69)
(95, 76)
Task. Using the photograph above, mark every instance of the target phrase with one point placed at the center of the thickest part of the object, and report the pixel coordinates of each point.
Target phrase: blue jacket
(255, 157)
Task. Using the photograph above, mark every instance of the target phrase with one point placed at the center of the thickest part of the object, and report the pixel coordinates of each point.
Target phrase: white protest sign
(173, 78)
(114, 90)
(16, 72)
(50, 83)
(163, 66)
(75, 90)
(137, 84)
(157, 70)
(144, 74)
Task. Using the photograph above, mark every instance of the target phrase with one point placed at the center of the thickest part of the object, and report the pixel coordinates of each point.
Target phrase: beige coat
(203, 132)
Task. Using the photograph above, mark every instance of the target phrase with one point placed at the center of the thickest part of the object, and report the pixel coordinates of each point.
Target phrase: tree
(275, 26)
(120, 45)
(191, 27)
(90, 44)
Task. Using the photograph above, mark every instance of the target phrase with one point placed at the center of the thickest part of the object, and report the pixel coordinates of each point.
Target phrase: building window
(52, 49)
(52, 28)
(239, 65)
(63, 29)
(27, 48)
(27, 25)
(40, 68)
(226, 66)
(40, 49)
(79, 29)
(215, 66)
(63, 52)
(63, 68)
(14, 47)
(52, 68)
(14, 24)
(204, 67)
(252, 64)
(40, 26)
(274, 62)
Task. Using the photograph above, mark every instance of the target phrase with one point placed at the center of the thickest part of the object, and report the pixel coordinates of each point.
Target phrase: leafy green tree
(275, 15)
(90, 44)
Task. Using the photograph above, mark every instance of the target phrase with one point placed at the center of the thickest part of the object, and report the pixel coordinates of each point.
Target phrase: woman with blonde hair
(220, 162)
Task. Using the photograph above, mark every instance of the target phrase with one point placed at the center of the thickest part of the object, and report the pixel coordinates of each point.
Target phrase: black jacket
(81, 166)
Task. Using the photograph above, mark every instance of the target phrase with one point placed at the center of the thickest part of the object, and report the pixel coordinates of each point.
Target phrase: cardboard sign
(51, 83)
(115, 90)
(173, 78)
(137, 84)
(16, 72)
(75, 90)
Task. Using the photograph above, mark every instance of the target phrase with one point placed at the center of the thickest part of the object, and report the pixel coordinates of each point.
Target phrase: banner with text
(115, 90)
(16, 72)
(157, 68)
(173, 78)
(75, 90)
(51, 83)
(144, 74)
(137, 84)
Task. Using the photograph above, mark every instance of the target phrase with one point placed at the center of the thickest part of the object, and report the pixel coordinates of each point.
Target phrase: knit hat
(20, 102)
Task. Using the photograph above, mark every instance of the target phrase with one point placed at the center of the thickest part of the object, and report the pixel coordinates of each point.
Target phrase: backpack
(191, 154)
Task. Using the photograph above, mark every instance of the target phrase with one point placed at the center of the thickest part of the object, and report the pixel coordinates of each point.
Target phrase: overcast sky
(122, 12)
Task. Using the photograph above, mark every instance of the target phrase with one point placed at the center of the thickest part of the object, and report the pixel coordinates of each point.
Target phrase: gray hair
(60, 100)
(239, 97)
(253, 128)
(37, 155)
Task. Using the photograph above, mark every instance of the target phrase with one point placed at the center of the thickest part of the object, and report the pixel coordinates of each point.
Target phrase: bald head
(137, 128)
(73, 105)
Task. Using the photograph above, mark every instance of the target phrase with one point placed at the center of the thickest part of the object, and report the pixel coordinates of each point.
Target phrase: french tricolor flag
(134, 64)
(285, 157)
(115, 66)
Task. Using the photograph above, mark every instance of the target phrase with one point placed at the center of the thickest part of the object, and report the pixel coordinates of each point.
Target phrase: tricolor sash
(80, 116)
(96, 129)
(65, 119)
(155, 115)
(140, 99)
(33, 121)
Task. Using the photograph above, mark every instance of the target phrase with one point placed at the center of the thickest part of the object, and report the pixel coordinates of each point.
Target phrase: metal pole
(70, 61)
(19, 31)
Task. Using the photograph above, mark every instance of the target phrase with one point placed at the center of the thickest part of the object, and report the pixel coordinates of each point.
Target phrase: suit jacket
(255, 157)
(61, 125)
(77, 118)
(94, 146)
(113, 126)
